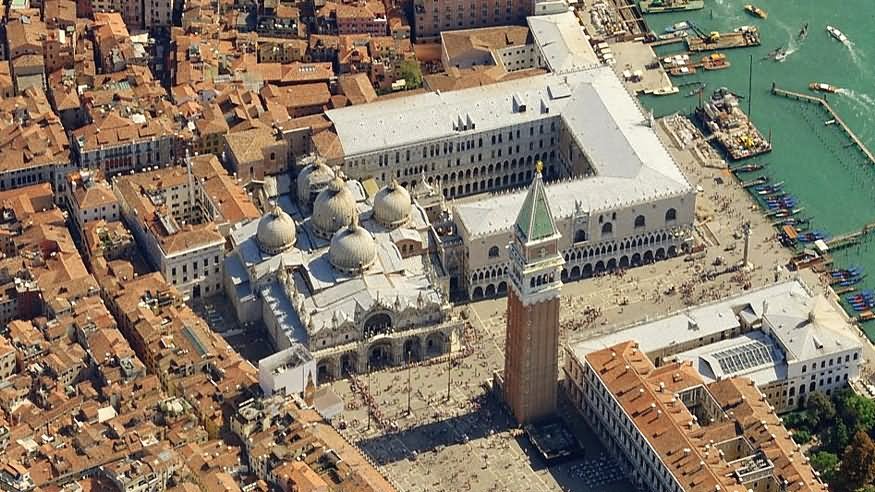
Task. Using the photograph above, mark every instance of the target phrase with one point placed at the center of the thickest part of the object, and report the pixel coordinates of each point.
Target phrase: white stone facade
(288, 371)
(472, 162)
(127, 156)
(591, 243)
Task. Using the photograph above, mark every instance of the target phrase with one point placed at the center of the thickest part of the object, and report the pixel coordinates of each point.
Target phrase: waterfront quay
(441, 426)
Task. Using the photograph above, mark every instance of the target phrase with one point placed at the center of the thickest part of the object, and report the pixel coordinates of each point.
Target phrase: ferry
(715, 61)
(838, 35)
(756, 11)
(819, 86)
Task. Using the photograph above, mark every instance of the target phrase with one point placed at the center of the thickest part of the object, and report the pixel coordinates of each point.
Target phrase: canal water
(832, 181)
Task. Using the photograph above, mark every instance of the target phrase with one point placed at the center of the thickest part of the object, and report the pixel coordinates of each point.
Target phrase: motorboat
(769, 188)
(672, 35)
(756, 11)
(682, 71)
(677, 26)
(810, 237)
(821, 87)
(665, 91)
(715, 61)
(846, 272)
(747, 168)
(838, 35)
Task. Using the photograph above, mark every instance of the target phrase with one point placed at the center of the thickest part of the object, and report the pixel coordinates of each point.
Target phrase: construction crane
(710, 38)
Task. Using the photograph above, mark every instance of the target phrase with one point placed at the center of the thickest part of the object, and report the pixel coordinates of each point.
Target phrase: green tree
(826, 463)
(857, 412)
(821, 410)
(801, 436)
(858, 463)
(798, 421)
(411, 73)
(837, 437)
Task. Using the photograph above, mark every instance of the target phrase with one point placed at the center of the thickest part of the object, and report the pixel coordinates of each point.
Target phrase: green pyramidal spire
(535, 221)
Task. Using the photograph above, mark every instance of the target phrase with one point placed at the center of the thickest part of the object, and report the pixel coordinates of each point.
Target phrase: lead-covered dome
(276, 231)
(313, 177)
(392, 205)
(352, 249)
(333, 209)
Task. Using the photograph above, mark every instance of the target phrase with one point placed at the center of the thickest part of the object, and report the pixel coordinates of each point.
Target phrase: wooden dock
(850, 238)
(727, 40)
(666, 42)
(855, 141)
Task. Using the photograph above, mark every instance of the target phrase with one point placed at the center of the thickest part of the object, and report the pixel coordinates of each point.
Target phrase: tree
(799, 421)
(837, 437)
(857, 412)
(820, 409)
(858, 463)
(801, 436)
(411, 73)
(826, 463)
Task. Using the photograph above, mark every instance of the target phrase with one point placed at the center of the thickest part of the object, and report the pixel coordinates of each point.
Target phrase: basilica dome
(313, 174)
(392, 205)
(276, 231)
(333, 209)
(352, 249)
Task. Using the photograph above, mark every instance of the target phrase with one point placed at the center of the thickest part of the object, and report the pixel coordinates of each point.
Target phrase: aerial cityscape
(437, 246)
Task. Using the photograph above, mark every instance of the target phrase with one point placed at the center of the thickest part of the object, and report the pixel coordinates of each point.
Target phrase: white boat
(677, 26)
(837, 35)
(665, 91)
(673, 35)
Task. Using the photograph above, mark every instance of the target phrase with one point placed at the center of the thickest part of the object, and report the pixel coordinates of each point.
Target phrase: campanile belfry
(532, 345)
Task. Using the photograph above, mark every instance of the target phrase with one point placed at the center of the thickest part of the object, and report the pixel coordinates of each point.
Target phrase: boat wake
(855, 57)
(861, 99)
(793, 42)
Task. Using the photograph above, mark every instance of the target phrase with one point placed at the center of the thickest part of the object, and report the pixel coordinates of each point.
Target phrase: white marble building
(355, 282)
(618, 197)
(786, 339)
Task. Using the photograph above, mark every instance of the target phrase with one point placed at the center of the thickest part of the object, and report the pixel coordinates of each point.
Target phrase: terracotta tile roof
(469, 41)
(112, 129)
(228, 196)
(328, 145)
(649, 397)
(297, 96)
(30, 132)
(357, 88)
